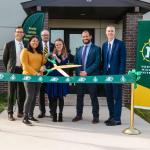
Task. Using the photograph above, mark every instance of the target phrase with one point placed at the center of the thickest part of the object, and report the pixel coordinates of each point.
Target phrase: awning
(86, 9)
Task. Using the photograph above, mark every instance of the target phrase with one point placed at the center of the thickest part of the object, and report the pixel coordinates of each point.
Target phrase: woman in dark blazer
(57, 91)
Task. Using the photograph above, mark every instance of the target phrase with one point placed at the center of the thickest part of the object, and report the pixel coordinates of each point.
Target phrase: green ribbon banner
(120, 79)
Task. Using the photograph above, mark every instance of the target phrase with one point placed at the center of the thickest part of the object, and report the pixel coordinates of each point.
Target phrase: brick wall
(130, 38)
(46, 21)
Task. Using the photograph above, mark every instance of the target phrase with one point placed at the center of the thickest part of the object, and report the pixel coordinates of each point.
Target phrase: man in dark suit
(114, 62)
(47, 48)
(11, 60)
(89, 57)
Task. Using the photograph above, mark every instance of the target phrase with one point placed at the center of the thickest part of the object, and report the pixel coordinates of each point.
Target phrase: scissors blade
(62, 72)
(68, 66)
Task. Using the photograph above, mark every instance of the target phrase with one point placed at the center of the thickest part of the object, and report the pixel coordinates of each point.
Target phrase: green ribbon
(137, 76)
(119, 79)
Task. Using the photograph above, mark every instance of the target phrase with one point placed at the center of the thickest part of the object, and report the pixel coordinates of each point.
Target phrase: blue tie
(108, 56)
(84, 56)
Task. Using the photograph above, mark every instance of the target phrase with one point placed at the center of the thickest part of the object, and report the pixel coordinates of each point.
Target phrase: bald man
(47, 48)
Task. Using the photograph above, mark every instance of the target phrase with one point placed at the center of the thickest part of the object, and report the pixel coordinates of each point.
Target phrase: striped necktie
(45, 49)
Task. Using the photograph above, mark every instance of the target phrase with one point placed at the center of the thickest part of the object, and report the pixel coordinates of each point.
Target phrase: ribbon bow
(137, 76)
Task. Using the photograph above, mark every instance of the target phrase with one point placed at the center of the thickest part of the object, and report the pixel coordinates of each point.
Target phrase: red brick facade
(130, 38)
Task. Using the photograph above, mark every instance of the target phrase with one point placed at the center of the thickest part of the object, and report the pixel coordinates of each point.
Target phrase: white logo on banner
(27, 78)
(109, 79)
(82, 79)
(123, 79)
(67, 80)
(40, 79)
(95, 79)
(54, 79)
(13, 77)
(1, 76)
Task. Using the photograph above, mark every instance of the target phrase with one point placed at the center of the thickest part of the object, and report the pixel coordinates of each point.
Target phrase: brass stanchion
(131, 130)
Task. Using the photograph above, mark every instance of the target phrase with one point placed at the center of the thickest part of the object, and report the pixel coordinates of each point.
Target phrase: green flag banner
(142, 93)
(33, 25)
(143, 53)
(120, 79)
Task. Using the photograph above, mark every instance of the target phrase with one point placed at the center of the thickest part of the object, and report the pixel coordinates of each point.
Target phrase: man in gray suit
(11, 60)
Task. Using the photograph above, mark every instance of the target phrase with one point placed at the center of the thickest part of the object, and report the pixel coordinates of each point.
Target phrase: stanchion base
(131, 131)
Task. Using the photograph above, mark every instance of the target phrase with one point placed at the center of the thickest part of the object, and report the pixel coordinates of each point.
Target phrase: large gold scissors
(59, 68)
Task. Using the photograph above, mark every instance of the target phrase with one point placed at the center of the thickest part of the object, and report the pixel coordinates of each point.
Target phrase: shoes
(41, 115)
(33, 119)
(60, 118)
(20, 115)
(51, 116)
(113, 123)
(77, 118)
(26, 121)
(54, 117)
(10, 117)
(108, 120)
(95, 120)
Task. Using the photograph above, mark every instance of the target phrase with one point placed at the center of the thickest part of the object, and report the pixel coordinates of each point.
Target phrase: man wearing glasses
(11, 60)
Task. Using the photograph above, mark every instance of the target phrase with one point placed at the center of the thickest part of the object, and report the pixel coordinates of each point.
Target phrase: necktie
(21, 46)
(83, 57)
(108, 56)
(20, 49)
(45, 49)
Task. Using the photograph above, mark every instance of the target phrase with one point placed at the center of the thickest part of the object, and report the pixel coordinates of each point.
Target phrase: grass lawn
(3, 101)
(144, 114)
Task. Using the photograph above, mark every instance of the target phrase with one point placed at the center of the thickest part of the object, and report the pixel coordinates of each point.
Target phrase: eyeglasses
(19, 32)
(45, 35)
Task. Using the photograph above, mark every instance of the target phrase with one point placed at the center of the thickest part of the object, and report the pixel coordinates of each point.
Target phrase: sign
(142, 93)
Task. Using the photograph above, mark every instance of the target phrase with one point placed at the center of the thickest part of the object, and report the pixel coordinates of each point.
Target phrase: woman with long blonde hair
(57, 91)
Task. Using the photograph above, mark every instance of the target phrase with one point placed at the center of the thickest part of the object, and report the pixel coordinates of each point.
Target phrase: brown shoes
(20, 115)
(95, 120)
(77, 118)
(10, 117)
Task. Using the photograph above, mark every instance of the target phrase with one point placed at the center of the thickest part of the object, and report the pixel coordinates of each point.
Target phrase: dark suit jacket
(118, 57)
(9, 56)
(93, 60)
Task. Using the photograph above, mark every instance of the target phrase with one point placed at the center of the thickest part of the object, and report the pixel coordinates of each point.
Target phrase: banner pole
(131, 130)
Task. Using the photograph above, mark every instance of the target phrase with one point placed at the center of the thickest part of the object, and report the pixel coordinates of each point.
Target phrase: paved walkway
(83, 135)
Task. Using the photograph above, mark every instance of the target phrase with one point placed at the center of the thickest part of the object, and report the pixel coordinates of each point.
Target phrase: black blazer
(9, 56)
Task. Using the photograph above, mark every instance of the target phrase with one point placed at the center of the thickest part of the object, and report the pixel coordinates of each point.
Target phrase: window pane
(75, 42)
(57, 34)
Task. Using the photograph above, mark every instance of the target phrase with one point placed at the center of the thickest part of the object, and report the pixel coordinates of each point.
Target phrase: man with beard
(88, 56)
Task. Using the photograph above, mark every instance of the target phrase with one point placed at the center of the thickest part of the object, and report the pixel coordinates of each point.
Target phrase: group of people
(32, 60)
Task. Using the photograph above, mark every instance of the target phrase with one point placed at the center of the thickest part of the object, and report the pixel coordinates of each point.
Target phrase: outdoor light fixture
(89, 1)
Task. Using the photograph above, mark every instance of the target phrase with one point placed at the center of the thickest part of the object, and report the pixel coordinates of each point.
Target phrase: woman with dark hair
(32, 60)
(57, 91)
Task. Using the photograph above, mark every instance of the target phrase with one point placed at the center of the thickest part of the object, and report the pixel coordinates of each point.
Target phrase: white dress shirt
(19, 46)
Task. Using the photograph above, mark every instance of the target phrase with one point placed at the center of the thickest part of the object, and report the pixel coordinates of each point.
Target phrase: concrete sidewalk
(83, 135)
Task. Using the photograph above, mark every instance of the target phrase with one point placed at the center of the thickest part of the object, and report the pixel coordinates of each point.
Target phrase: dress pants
(42, 100)
(16, 91)
(114, 100)
(92, 90)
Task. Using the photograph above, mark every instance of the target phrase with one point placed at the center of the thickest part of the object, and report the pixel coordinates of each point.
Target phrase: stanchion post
(131, 130)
